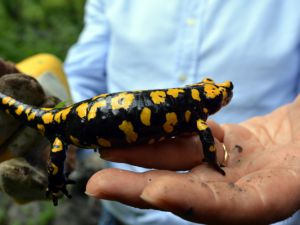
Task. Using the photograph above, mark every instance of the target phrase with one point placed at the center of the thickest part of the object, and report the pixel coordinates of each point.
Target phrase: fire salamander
(124, 119)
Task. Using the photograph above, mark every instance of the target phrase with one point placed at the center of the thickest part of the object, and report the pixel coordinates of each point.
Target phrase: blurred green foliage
(42, 213)
(34, 26)
(36, 213)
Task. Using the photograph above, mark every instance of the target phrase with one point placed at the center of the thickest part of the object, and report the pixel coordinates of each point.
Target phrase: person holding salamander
(253, 44)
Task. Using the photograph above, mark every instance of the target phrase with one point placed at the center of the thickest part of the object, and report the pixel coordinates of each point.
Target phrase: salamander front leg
(56, 177)
(208, 144)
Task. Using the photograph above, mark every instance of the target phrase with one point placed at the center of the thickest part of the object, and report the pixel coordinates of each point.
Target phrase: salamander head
(214, 95)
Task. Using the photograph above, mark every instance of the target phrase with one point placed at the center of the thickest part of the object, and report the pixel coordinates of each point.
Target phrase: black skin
(117, 122)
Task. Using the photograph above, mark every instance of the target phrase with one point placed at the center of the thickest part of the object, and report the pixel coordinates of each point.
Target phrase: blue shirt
(140, 44)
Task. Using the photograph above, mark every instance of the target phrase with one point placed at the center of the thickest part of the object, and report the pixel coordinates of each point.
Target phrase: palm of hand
(261, 184)
(263, 178)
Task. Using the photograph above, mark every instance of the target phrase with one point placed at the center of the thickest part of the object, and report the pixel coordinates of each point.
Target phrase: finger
(252, 200)
(182, 153)
(121, 185)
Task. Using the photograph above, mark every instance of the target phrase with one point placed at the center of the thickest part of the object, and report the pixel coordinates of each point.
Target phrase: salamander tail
(27, 114)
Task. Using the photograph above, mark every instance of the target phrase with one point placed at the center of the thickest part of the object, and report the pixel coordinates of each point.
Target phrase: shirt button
(182, 78)
(191, 21)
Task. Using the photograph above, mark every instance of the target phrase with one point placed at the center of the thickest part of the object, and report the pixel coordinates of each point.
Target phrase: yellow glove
(48, 70)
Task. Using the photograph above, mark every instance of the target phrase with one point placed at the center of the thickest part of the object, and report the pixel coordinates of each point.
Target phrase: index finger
(180, 153)
(246, 201)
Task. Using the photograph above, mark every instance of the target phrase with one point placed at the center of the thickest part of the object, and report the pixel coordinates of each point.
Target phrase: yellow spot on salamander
(99, 96)
(158, 97)
(57, 145)
(208, 80)
(205, 110)
(171, 121)
(174, 92)
(93, 109)
(47, 118)
(75, 140)
(11, 102)
(82, 110)
(65, 112)
(212, 148)
(19, 110)
(104, 142)
(211, 91)
(41, 128)
(122, 101)
(226, 84)
(128, 129)
(62, 114)
(53, 169)
(187, 115)
(30, 114)
(6, 100)
(145, 116)
(201, 125)
(196, 94)
(27, 111)
(57, 116)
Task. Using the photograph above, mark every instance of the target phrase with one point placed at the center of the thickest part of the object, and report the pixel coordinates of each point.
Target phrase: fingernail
(89, 194)
(91, 188)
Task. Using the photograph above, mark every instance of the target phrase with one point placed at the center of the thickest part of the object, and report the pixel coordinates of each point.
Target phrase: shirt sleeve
(298, 83)
(86, 59)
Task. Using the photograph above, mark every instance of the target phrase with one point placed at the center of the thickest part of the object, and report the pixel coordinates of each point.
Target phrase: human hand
(23, 151)
(25, 89)
(261, 184)
(7, 67)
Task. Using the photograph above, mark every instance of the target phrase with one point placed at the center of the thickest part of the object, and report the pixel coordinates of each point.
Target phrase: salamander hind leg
(208, 145)
(56, 178)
